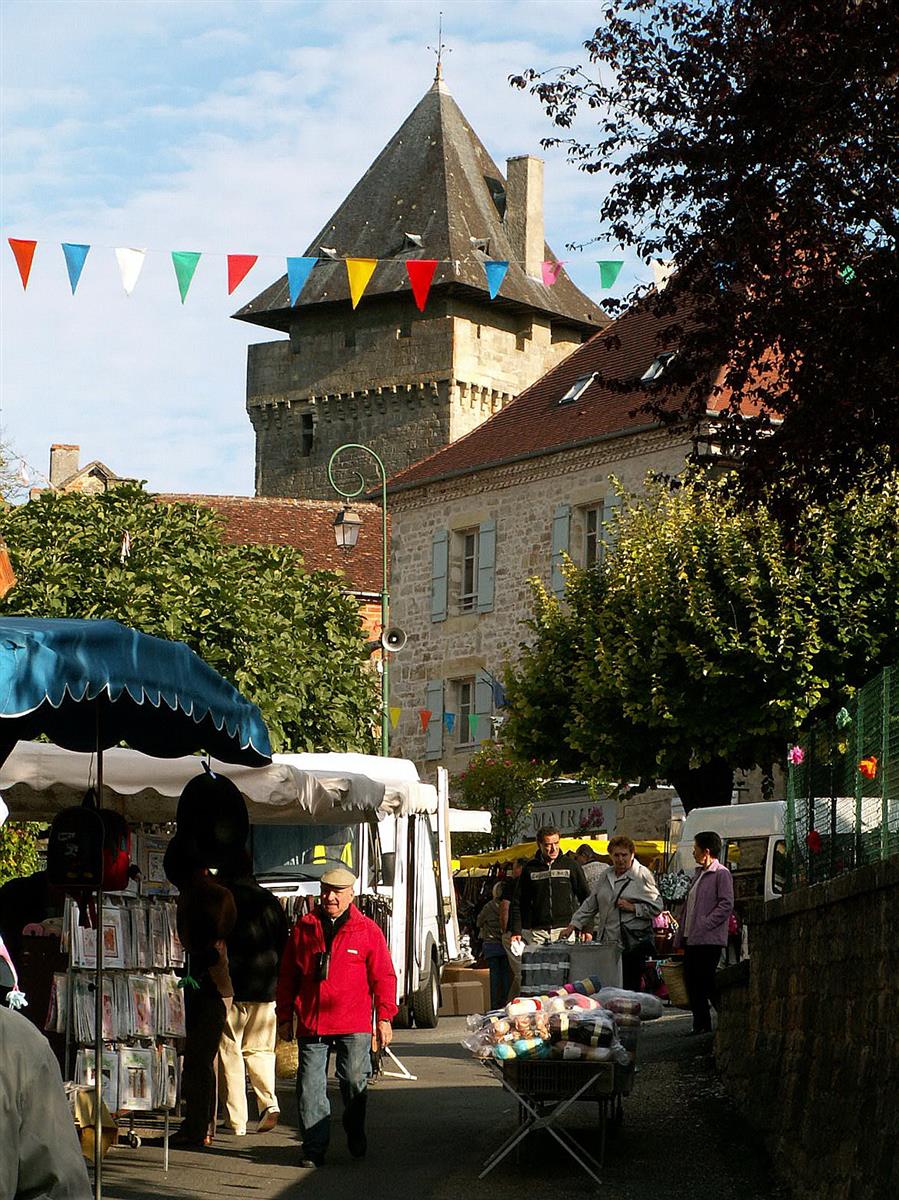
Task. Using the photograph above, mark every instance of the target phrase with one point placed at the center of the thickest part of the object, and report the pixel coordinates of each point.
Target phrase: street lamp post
(346, 531)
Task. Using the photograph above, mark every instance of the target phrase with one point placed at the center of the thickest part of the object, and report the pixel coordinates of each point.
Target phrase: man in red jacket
(335, 974)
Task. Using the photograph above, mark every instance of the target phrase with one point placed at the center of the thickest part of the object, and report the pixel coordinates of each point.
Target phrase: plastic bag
(650, 1007)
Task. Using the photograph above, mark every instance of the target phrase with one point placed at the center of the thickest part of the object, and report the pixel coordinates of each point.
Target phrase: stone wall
(521, 498)
(403, 382)
(808, 1035)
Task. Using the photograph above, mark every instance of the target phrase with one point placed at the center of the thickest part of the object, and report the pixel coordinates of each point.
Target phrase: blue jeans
(353, 1051)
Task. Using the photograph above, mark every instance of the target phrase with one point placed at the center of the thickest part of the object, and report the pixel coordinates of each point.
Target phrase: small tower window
(405, 330)
(307, 434)
(349, 339)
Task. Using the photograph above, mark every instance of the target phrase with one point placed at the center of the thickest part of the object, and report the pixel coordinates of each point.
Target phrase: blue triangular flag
(298, 271)
(75, 256)
(449, 720)
(495, 270)
(499, 694)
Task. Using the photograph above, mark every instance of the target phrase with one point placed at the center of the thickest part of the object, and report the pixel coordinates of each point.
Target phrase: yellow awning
(646, 851)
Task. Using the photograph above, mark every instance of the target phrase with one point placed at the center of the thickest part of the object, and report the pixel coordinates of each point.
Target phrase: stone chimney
(64, 461)
(524, 211)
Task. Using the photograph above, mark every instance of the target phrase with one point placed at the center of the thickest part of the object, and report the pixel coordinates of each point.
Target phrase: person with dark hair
(591, 864)
(206, 914)
(710, 901)
(491, 940)
(247, 1048)
(550, 888)
(510, 883)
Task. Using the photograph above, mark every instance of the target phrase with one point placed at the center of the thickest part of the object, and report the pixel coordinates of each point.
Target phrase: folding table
(545, 1089)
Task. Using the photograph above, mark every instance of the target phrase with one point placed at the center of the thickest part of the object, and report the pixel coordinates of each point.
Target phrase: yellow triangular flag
(395, 717)
(359, 271)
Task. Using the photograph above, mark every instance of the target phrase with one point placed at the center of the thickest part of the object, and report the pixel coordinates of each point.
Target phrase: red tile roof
(307, 526)
(536, 423)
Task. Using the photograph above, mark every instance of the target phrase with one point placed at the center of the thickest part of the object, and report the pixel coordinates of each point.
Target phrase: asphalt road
(427, 1139)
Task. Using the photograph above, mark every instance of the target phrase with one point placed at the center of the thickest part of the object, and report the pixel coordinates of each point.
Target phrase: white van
(753, 846)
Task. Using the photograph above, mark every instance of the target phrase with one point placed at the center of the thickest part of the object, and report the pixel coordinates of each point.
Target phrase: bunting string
(359, 271)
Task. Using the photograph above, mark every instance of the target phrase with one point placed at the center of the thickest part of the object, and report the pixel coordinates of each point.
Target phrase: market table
(546, 1088)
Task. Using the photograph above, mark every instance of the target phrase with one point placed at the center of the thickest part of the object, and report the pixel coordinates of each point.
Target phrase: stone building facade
(402, 381)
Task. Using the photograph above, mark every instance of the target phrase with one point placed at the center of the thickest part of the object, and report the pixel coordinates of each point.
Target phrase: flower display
(868, 766)
(843, 718)
(674, 886)
(813, 841)
(796, 756)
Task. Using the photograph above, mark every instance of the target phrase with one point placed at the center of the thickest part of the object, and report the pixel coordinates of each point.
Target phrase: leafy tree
(505, 786)
(18, 849)
(289, 639)
(754, 142)
(707, 636)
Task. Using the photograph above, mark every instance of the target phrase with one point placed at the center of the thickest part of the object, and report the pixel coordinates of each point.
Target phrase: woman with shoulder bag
(623, 902)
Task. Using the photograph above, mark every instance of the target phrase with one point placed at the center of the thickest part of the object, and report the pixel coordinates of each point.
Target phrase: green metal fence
(843, 797)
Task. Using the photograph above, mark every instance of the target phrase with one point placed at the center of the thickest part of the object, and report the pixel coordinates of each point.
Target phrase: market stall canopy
(469, 820)
(38, 780)
(89, 685)
(646, 851)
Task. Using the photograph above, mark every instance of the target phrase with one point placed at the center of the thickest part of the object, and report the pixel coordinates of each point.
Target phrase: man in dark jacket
(551, 886)
(248, 1040)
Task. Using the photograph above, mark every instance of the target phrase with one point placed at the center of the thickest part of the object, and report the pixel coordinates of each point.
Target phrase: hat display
(338, 877)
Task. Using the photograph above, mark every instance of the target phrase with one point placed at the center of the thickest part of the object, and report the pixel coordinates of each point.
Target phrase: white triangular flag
(130, 263)
(662, 270)
(23, 476)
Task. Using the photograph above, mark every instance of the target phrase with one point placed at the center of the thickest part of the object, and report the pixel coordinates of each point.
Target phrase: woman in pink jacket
(710, 901)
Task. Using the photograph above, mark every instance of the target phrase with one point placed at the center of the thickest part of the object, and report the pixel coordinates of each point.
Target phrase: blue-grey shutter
(486, 565)
(439, 573)
(561, 533)
(610, 506)
(434, 734)
(483, 704)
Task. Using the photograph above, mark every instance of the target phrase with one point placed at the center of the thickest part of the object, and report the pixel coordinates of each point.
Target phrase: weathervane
(440, 47)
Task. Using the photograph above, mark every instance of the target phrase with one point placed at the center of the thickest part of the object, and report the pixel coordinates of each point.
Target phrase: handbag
(634, 938)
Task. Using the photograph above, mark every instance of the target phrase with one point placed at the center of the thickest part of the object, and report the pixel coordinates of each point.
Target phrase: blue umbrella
(89, 685)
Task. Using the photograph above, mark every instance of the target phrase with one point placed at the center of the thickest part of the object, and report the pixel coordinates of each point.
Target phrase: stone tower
(403, 382)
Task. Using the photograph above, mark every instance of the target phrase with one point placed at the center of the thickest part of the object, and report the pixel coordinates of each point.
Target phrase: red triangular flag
(24, 252)
(239, 266)
(424, 715)
(421, 272)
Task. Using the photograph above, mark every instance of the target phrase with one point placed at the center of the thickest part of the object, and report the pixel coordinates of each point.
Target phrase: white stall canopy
(38, 780)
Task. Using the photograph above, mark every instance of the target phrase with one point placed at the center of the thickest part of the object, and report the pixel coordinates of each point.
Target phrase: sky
(221, 127)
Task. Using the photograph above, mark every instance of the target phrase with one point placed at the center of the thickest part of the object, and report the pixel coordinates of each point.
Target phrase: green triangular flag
(608, 272)
(473, 719)
(185, 263)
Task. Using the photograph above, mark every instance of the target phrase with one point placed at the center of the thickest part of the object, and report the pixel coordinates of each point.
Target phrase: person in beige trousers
(247, 1047)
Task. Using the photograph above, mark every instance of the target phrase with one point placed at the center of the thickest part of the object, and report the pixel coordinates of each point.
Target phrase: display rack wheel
(133, 1140)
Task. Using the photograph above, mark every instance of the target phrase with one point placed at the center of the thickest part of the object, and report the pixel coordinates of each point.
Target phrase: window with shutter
(483, 687)
(439, 574)
(486, 565)
(560, 535)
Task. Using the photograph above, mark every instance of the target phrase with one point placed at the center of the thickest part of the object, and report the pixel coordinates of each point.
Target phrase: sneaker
(311, 1164)
(268, 1120)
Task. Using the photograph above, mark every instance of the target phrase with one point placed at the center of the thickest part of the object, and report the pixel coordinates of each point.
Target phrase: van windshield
(302, 852)
(745, 857)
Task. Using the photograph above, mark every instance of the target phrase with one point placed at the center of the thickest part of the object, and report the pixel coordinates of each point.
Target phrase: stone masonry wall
(403, 382)
(521, 498)
(808, 1035)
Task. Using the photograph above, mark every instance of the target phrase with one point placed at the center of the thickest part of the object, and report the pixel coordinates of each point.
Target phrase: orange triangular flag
(421, 272)
(24, 252)
(239, 266)
(424, 715)
(359, 271)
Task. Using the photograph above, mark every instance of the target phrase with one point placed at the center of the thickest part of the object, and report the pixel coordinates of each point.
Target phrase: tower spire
(439, 49)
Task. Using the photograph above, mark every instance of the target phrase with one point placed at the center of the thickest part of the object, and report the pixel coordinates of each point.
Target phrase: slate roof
(434, 179)
(535, 423)
(306, 525)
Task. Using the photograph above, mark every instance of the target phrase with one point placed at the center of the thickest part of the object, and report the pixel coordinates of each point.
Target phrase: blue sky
(223, 127)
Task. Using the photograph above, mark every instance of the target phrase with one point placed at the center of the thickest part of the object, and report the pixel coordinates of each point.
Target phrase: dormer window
(578, 388)
(657, 367)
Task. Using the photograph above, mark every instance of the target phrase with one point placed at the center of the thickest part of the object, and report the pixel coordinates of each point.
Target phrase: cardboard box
(469, 998)
(465, 975)
(447, 1000)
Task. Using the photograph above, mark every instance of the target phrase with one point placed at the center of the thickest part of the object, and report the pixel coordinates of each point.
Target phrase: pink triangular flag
(550, 272)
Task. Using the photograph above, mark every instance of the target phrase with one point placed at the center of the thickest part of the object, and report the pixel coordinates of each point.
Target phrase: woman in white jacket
(620, 908)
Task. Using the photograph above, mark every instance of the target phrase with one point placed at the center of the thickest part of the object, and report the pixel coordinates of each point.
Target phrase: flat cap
(338, 877)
